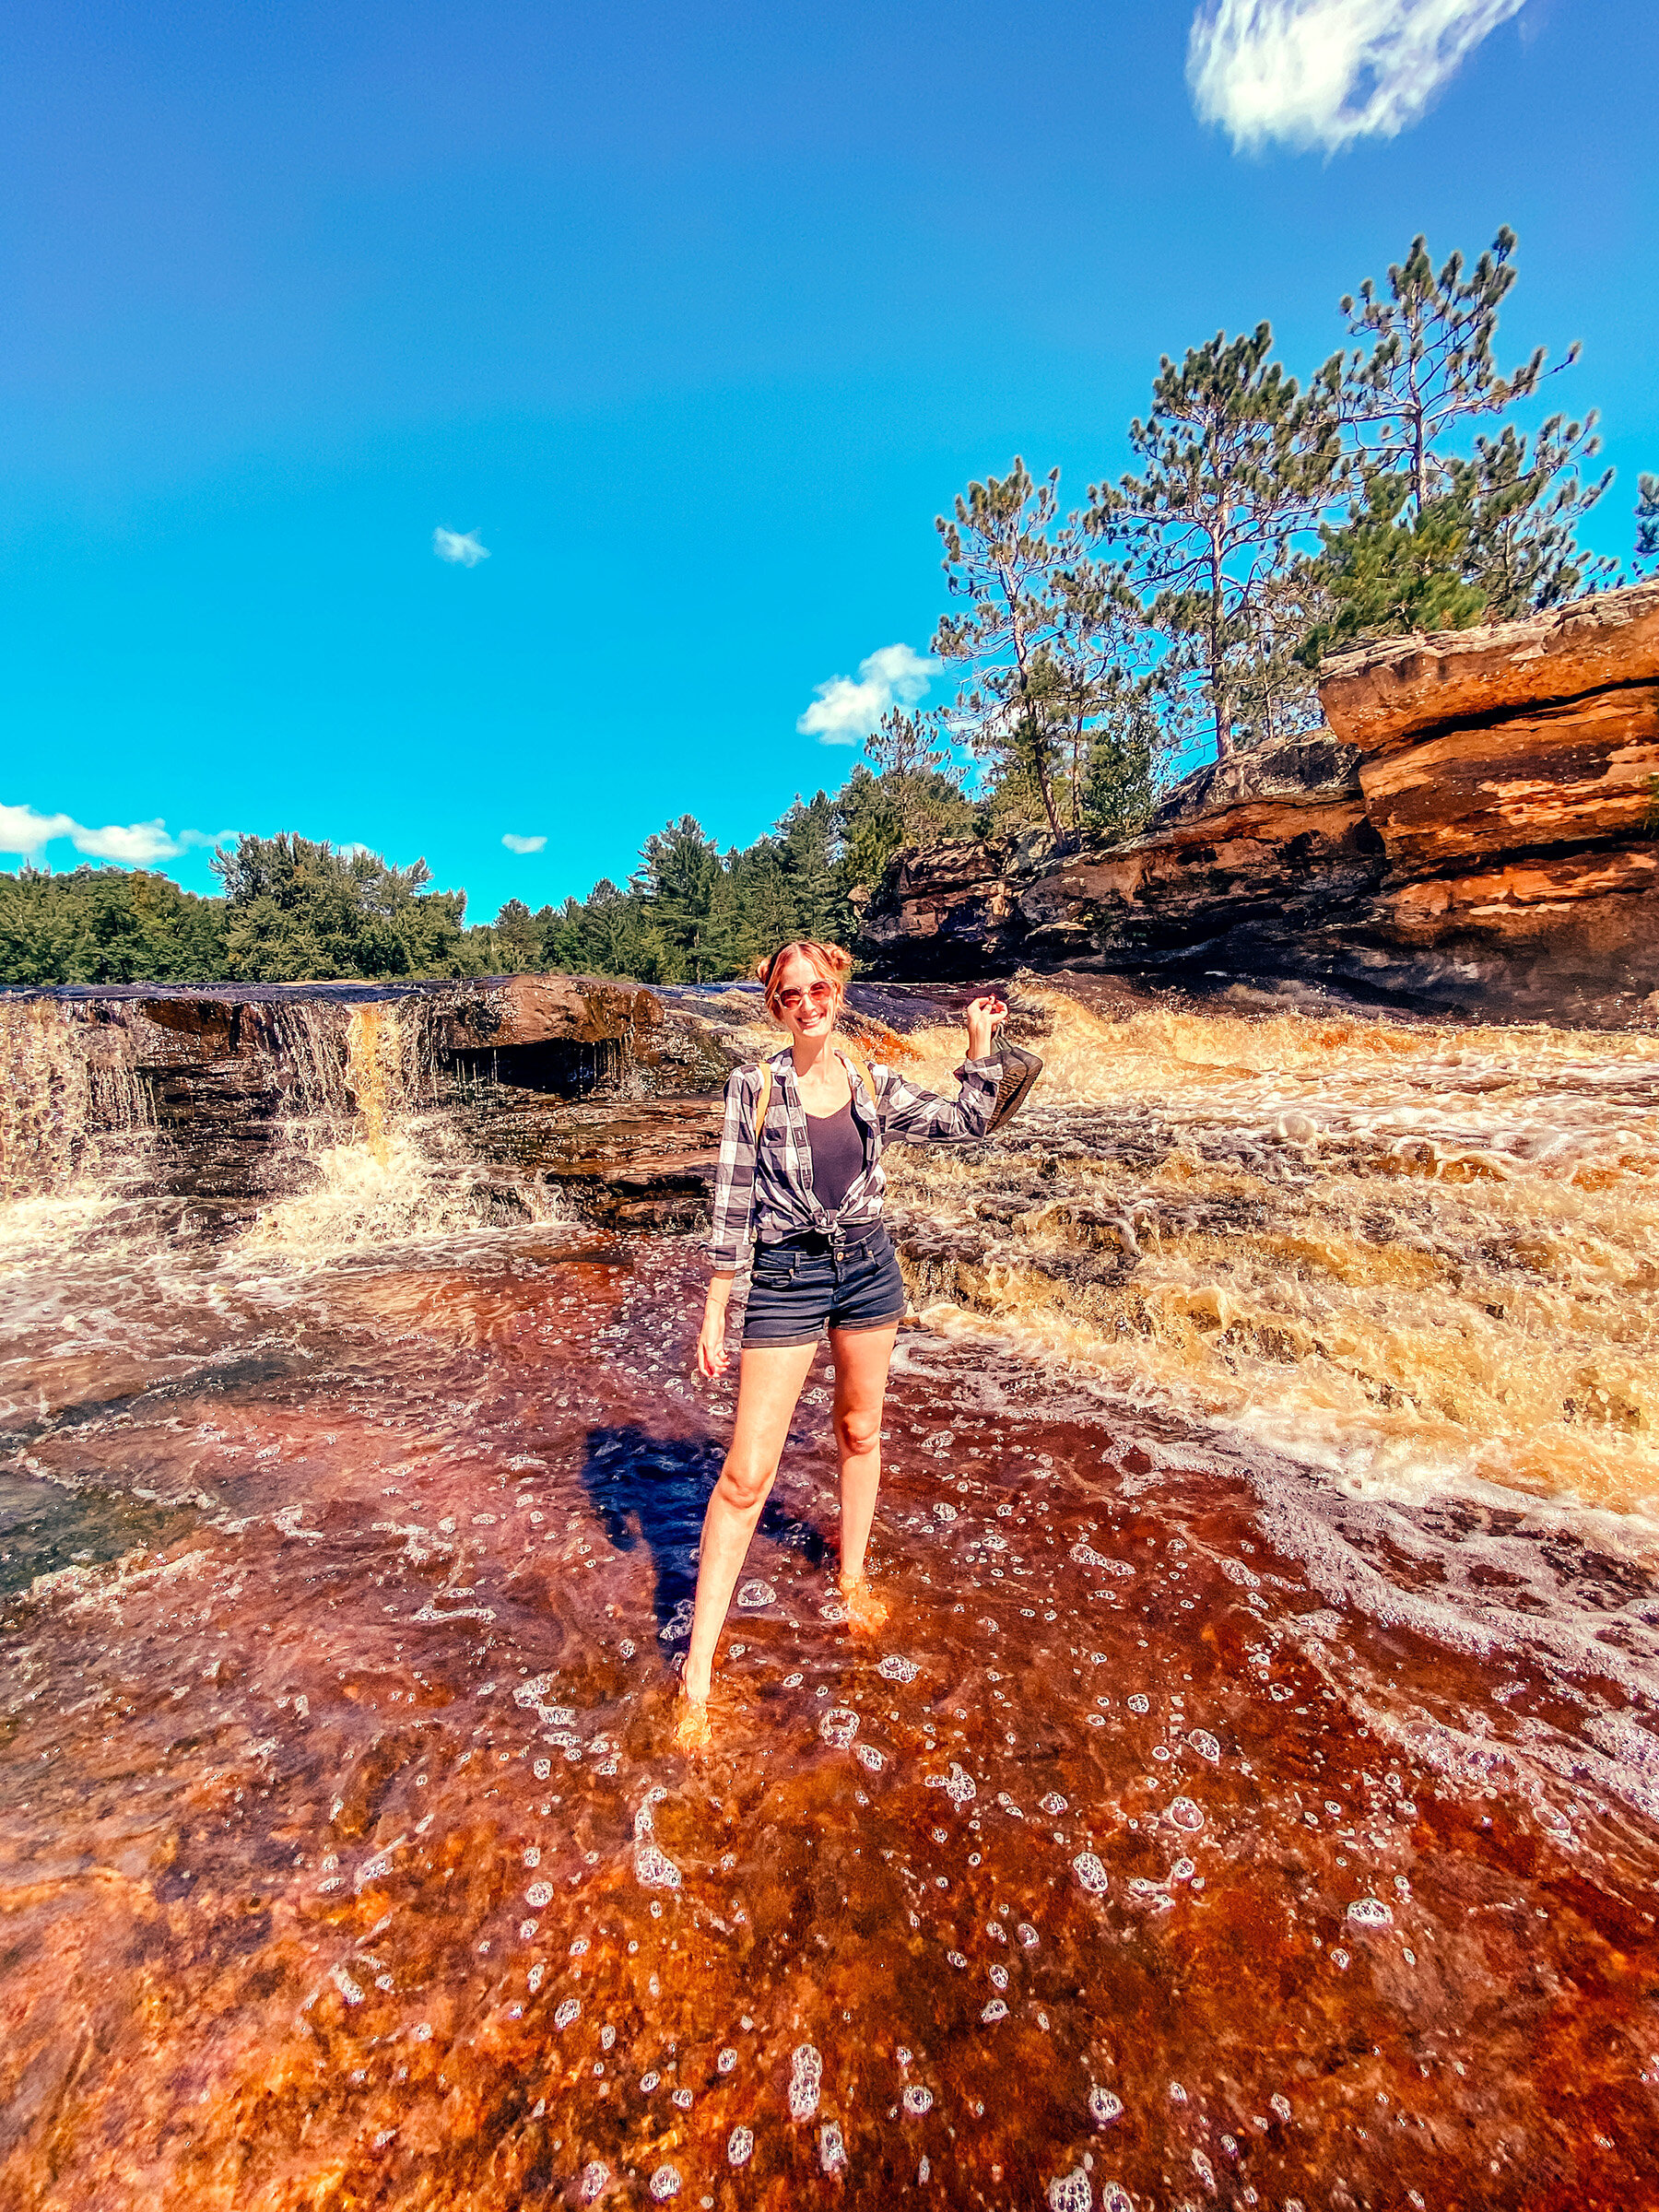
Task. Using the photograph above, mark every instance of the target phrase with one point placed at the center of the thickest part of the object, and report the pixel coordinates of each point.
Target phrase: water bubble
(918, 2101)
(570, 2010)
(740, 2146)
(1091, 1874)
(1053, 1804)
(593, 2178)
(839, 1726)
(539, 1894)
(1071, 2192)
(664, 2184)
(1370, 1912)
(1183, 1813)
(805, 2080)
(654, 1869)
(895, 1669)
(1138, 1703)
(996, 2011)
(832, 2151)
(1204, 1744)
(1105, 2107)
(753, 1596)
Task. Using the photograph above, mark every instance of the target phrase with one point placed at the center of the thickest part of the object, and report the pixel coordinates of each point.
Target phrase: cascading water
(1255, 1799)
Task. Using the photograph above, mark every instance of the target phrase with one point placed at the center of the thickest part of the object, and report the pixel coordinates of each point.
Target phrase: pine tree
(999, 556)
(1389, 572)
(675, 886)
(1431, 365)
(1522, 506)
(1238, 463)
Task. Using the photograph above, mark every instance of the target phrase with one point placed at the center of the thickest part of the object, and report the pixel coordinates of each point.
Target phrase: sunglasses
(819, 994)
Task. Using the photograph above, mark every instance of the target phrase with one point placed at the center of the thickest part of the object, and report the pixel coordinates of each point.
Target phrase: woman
(800, 1185)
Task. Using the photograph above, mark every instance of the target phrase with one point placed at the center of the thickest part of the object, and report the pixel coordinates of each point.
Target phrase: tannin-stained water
(1215, 1822)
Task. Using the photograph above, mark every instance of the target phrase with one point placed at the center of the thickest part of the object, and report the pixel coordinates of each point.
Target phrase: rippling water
(1253, 1800)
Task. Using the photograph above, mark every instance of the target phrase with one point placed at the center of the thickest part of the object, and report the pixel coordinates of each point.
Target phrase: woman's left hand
(983, 1014)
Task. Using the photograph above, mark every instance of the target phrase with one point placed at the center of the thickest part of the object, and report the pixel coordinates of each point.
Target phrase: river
(1255, 1796)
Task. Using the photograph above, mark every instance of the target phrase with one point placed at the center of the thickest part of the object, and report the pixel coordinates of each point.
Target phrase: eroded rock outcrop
(1474, 832)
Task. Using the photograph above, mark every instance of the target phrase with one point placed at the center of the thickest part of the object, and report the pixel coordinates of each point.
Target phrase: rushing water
(1255, 1797)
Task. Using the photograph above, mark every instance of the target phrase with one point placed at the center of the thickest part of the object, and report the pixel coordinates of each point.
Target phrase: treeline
(1182, 610)
(295, 911)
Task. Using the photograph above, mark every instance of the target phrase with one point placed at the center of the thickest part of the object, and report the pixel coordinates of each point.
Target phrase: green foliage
(300, 912)
(1388, 573)
(108, 925)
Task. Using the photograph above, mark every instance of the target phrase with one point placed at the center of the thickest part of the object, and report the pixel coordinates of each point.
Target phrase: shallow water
(1214, 1822)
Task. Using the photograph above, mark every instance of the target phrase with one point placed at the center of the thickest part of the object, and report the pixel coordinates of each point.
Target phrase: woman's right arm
(733, 1211)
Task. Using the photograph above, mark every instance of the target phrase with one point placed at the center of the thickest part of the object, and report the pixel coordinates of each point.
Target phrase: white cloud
(460, 545)
(134, 844)
(515, 843)
(1326, 72)
(25, 831)
(845, 711)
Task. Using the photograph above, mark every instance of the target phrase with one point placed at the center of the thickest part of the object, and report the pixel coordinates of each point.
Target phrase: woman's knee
(744, 1485)
(857, 1430)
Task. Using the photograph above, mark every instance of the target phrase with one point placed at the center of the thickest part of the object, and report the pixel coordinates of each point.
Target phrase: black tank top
(836, 1155)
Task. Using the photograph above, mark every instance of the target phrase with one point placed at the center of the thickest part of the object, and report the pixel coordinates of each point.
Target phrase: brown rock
(1383, 696)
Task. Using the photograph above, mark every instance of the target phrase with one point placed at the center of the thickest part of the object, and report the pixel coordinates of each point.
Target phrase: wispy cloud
(847, 709)
(515, 843)
(460, 547)
(1326, 72)
(133, 844)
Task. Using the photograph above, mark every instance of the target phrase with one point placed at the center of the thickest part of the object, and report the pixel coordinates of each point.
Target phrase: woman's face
(806, 1003)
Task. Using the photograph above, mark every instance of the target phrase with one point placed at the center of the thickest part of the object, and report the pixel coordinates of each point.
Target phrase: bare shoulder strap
(862, 1067)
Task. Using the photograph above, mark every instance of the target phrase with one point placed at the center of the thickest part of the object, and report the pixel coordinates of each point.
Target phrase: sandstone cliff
(1473, 833)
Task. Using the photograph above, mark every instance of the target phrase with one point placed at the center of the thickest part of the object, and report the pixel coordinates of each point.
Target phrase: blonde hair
(832, 963)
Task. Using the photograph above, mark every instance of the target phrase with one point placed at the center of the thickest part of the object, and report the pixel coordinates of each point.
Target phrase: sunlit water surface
(1253, 1799)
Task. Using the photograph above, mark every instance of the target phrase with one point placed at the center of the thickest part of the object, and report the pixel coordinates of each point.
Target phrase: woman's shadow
(657, 1488)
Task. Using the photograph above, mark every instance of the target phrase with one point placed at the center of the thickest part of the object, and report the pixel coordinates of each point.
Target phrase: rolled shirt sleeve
(922, 1117)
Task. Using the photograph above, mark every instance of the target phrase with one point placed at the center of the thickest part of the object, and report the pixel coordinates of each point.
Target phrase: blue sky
(695, 317)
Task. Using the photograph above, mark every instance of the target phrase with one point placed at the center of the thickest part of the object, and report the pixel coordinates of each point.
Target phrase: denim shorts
(796, 1288)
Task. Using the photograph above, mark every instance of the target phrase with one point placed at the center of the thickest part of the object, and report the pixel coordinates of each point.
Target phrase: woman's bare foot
(691, 1729)
(866, 1611)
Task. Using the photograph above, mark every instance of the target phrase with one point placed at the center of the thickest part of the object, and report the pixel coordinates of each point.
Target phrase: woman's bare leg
(862, 1360)
(769, 1386)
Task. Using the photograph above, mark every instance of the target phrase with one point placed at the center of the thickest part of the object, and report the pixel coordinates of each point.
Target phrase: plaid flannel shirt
(771, 1196)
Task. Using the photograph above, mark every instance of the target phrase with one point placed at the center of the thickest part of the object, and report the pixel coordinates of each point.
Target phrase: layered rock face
(1474, 832)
